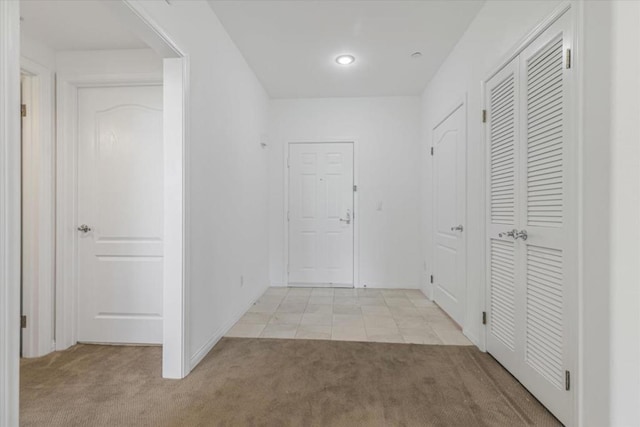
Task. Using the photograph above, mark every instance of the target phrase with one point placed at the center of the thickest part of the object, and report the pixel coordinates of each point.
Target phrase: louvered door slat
(502, 135)
(502, 292)
(545, 114)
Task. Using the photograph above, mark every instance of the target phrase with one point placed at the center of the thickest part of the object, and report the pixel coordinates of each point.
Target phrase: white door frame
(38, 269)
(66, 191)
(356, 210)
(10, 246)
(460, 103)
(176, 361)
(574, 194)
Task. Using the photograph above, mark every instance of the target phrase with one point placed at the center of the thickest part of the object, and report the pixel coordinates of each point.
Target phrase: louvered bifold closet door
(544, 212)
(504, 335)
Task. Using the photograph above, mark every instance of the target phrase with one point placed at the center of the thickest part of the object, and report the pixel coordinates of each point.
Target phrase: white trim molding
(176, 360)
(9, 212)
(38, 209)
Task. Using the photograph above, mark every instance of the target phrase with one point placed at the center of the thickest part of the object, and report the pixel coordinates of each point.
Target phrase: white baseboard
(221, 332)
(389, 286)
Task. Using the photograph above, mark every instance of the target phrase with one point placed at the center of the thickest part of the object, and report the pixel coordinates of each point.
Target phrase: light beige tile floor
(375, 315)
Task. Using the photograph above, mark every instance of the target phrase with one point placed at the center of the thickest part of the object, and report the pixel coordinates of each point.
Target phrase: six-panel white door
(120, 201)
(321, 215)
(449, 179)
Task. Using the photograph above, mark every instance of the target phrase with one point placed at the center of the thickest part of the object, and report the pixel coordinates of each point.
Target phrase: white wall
(625, 215)
(611, 164)
(109, 62)
(37, 51)
(227, 235)
(387, 134)
(495, 31)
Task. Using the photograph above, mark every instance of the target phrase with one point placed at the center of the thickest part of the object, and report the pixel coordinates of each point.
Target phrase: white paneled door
(449, 186)
(321, 215)
(120, 214)
(532, 219)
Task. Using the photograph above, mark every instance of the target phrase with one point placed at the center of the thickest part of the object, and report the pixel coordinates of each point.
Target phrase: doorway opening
(104, 263)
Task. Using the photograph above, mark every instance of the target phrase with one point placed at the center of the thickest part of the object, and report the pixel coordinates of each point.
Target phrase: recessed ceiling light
(345, 59)
(416, 55)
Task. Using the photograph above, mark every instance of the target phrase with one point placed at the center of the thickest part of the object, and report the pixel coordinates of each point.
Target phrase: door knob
(511, 233)
(521, 235)
(84, 228)
(348, 219)
(457, 228)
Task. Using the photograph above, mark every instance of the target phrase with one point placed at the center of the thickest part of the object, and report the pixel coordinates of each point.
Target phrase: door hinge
(23, 110)
(288, 216)
(431, 279)
(432, 151)
(567, 380)
(23, 321)
(287, 162)
(484, 317)
(567, 56)
(484, 116)
(355, 188)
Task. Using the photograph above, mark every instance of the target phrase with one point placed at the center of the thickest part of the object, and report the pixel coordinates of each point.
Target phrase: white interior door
(449, 178)
(548, 216)
(321, 215)
(504, 334)
(120, 201)
(532, 220)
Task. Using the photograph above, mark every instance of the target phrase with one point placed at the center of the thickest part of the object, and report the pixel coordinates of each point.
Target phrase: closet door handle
(511, 233)
(521, 235)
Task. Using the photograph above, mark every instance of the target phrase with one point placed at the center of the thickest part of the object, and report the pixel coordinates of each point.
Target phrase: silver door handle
(511, 233)
(84, 228)
(457, 228)
(348, 219)
(521, 235)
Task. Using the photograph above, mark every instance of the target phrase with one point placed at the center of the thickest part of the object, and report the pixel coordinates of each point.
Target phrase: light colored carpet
(276, 382)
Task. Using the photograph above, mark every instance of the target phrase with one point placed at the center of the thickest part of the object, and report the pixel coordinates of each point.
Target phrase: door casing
(38, 253)
(356, 210)
(66, 208)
